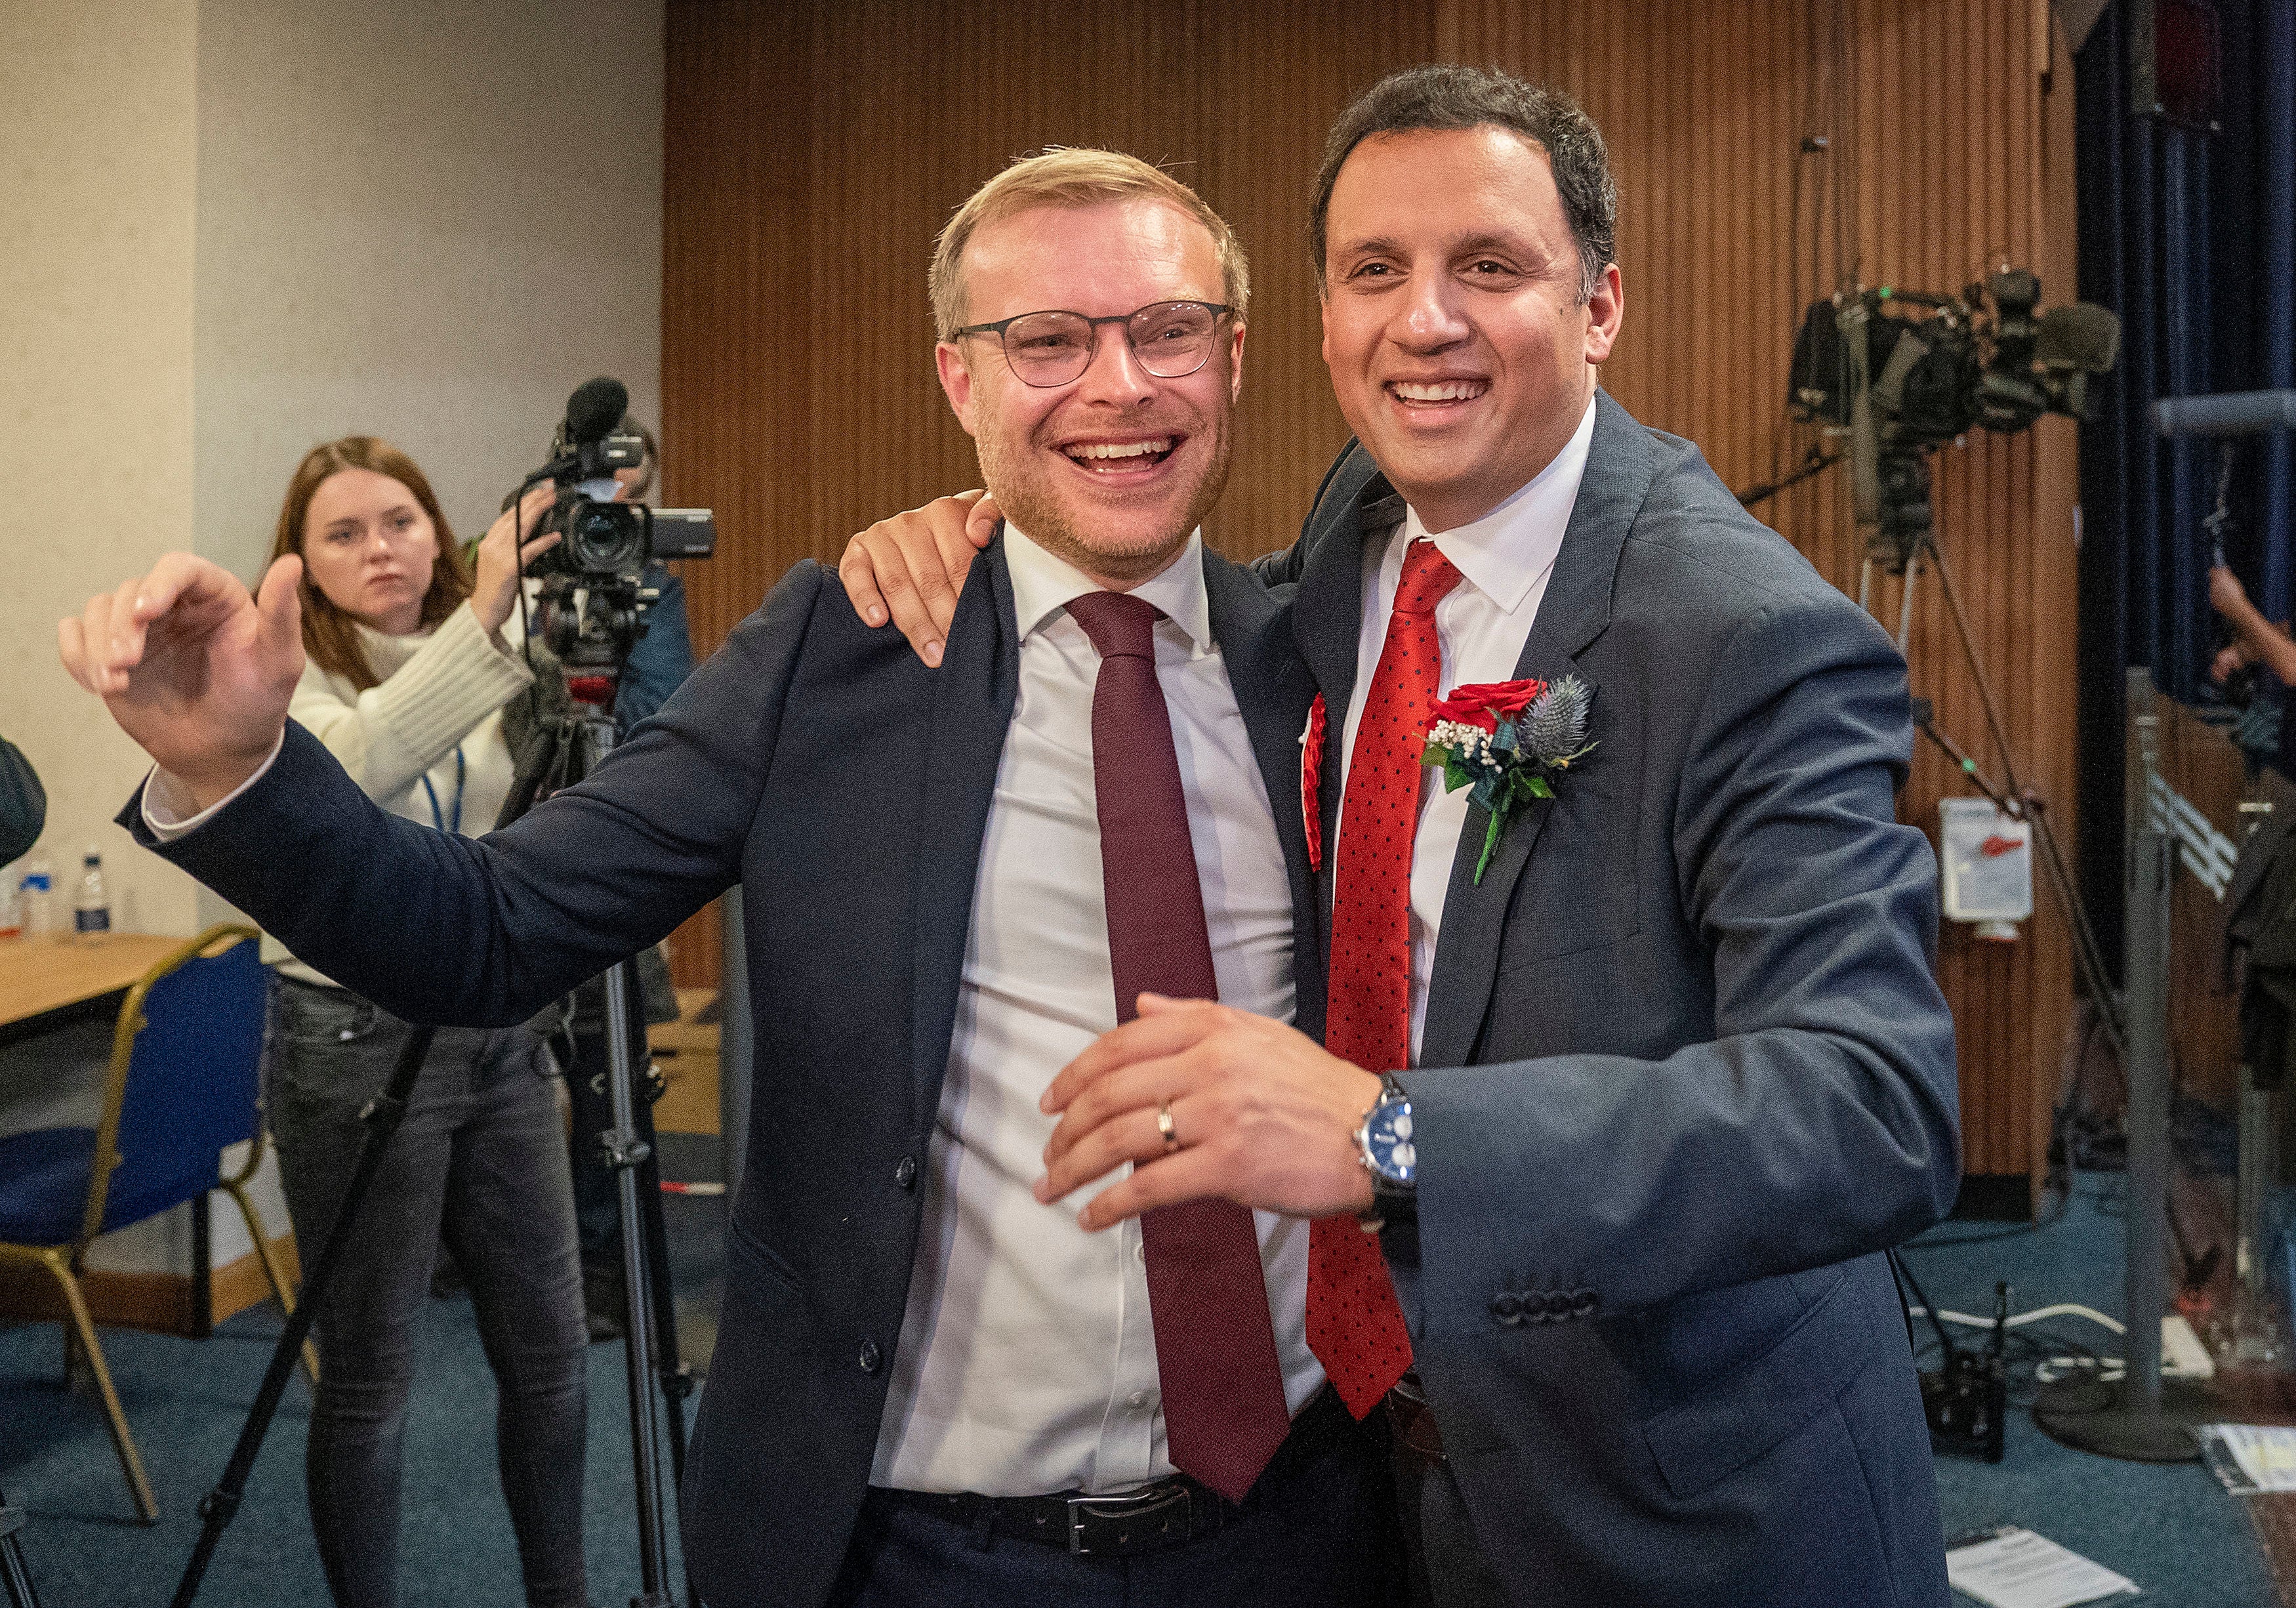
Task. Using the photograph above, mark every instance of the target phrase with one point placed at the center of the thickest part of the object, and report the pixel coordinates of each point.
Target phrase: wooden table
(39, 976)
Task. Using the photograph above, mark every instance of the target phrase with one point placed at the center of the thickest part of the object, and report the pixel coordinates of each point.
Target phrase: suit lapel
(1356, 503)
(974, 692)
(1574, 611)
(1327, 614)
(1272, 687)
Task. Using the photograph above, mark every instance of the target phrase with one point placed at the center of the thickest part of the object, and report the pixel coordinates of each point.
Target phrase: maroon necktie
(1354, 1325)
(1223, 1409)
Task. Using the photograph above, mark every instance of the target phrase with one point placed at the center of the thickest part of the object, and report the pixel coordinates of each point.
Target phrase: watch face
(1387, 1136)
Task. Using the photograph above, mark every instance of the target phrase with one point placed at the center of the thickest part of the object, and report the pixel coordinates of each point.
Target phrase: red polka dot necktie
(1354, 1325)
(1225, 1412)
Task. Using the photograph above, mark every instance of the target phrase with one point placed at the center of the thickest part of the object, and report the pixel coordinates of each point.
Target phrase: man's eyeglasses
(1172, 339)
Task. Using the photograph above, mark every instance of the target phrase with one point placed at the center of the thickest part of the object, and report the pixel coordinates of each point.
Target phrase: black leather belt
(1163, 1513)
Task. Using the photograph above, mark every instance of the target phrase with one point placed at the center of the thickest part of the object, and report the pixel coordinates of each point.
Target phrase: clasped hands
(1260, 1115)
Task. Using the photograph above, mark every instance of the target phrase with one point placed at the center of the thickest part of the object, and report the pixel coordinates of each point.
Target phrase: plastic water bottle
(40, 911)
(92, 910)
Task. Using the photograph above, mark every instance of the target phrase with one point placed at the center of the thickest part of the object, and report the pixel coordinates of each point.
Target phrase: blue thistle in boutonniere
(1506, 739)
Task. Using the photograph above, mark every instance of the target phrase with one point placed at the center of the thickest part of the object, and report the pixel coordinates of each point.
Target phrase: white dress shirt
(1504, 558)
(1027, 1357)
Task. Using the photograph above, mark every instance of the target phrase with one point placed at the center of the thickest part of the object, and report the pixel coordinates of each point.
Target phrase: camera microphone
(586, 445)
(594, 409)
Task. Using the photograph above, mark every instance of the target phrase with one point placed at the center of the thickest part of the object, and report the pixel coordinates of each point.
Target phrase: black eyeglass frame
(1217, 310)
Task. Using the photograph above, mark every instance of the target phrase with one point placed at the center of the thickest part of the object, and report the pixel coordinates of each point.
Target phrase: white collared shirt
(1028, 1357)
(1505, 558)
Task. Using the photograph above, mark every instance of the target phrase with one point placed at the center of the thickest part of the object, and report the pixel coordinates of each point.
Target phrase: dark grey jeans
(480, 1159)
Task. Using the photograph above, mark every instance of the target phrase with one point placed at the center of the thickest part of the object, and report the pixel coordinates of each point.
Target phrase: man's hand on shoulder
(910, 568)
(1260, 1114)
(194, 668)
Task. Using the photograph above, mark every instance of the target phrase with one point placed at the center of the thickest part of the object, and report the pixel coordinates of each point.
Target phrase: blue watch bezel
(1389, 1142)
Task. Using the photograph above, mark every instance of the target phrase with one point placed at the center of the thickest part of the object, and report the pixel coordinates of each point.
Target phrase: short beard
(1046, 519)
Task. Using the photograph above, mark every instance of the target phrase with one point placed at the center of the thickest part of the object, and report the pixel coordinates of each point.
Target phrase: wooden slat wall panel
(813, 150)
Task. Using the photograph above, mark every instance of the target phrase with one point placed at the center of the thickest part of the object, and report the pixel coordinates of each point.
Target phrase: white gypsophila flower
(1471, 743)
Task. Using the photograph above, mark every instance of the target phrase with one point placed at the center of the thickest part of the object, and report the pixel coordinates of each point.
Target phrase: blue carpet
(185, 1401)
(2172, 1528)
(2174, 1531)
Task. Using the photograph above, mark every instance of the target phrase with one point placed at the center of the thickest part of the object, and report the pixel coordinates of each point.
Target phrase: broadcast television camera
(1903, 381)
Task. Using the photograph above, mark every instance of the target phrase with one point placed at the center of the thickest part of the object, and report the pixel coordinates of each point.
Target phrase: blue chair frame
(182, 1083)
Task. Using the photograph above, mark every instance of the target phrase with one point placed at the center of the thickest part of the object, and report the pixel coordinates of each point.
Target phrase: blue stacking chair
(184, 1083)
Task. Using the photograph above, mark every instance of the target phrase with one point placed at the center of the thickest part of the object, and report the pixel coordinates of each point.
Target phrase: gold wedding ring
(1164, 1126)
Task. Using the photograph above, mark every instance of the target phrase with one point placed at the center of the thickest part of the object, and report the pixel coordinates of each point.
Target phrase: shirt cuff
(167, 800)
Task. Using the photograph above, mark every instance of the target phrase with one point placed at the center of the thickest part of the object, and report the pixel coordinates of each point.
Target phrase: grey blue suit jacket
(1685, 1073)
(847, 788)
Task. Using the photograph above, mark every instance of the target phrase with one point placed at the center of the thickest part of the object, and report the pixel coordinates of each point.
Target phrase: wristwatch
(1390, 1152)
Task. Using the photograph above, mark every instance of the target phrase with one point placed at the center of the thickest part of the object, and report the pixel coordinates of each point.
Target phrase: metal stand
(13, 1575)
(220, 1505)
(649, 1312)
(2135, 1417)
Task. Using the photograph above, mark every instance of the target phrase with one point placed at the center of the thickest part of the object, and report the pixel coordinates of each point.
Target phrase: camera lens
(605, 538)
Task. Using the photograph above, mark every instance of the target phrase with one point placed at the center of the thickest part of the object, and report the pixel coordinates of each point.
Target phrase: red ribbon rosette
(1311, 781)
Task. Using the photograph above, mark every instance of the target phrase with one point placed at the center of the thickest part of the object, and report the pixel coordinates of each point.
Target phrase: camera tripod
(573, 746)
(13, 1574)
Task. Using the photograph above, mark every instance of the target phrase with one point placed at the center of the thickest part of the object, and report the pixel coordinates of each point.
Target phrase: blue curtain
(2191, 237)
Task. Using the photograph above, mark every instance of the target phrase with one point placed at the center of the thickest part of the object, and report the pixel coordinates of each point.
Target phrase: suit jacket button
(1507, 1309)
(906, 1174)
(871, 1357)
(1584, 1303)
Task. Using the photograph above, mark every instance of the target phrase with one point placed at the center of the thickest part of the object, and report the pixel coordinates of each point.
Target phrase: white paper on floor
(2251, 1459)
(2015, 1568)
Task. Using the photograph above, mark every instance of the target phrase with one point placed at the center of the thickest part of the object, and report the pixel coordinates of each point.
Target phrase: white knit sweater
(442, 689)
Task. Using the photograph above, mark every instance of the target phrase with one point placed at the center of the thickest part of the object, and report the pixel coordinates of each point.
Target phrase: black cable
(1937, 1323)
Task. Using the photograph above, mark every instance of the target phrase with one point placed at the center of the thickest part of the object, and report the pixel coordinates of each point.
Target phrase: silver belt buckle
(1081, 1508)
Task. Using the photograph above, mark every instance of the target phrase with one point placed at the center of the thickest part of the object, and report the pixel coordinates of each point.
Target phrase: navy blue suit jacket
(847, 788)
(1685, 1071)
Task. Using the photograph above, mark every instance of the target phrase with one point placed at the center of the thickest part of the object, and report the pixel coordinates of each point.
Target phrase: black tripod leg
(669, 1363)
(13, 1574)
(677, 1380)
(220, 1505)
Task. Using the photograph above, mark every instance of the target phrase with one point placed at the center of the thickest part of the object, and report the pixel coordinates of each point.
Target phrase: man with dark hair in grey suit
(1666, 1069)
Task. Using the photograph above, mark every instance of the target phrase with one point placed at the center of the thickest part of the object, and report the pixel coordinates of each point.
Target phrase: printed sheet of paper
(2251, 1459)
(2017, 1569)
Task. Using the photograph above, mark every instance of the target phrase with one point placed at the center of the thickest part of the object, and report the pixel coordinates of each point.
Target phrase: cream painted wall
(239, 227)
(423, 221)
(97, 160)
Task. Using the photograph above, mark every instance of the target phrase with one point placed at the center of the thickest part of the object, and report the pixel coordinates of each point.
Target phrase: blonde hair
(1073, 177)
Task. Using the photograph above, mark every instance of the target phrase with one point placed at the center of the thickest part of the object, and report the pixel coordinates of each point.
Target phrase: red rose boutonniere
(1505, 738)
(1311, 781)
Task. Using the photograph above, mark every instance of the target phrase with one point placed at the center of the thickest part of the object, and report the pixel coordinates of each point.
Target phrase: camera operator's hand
(194, 668)
(915, 563)
(494, 591)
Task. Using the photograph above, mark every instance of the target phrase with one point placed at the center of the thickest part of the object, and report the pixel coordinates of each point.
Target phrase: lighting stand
(2139, 1417)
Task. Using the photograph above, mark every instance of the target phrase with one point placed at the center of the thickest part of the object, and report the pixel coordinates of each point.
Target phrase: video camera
(1904, 383)
(605, 539)
(593, 591)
